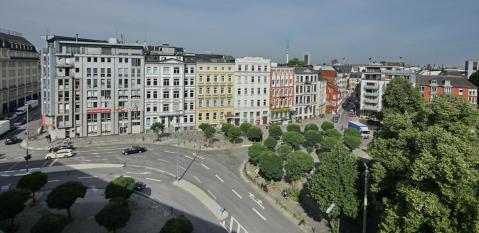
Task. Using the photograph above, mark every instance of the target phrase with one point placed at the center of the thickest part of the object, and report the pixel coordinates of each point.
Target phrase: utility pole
(27, 157)
(365, 196)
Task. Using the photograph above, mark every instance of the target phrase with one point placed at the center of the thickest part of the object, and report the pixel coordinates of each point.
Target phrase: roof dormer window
(433, 81)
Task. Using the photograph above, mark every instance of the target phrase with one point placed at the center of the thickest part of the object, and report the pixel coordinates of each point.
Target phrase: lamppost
(178, 146)
(27, 156)
(365, 196)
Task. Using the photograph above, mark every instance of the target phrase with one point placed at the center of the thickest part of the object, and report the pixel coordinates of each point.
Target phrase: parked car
(134, 150)
(63, 153)
(11, 140)
(60, 147)
(139, 186)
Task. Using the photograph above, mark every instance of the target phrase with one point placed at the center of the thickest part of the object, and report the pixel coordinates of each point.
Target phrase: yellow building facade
(214, 89)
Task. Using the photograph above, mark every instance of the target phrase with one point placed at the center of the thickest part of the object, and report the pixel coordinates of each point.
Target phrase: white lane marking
(201, 157)
(196, 178)
(162, 160)
(148, 178)
(154, 169)
(21, 174)
(127, 176)
(188, 157)
(45, 163)
(211, 194)
(182, 167)
(237, 194)
(259, 202)
(219, 178)
(167, 151)
(52, 181)
(5, 175)
(10, 171)
(86, 177)
(207, 168)
(53, 162)
(102, 159)
(261, 216)
(139, 173)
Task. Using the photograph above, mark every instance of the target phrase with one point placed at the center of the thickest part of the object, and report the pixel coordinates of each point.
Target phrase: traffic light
(28, 157)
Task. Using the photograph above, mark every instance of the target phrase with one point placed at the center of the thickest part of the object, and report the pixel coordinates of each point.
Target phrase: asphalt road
(216, 173)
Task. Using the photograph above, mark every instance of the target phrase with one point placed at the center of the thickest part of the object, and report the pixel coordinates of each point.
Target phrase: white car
(63, 153)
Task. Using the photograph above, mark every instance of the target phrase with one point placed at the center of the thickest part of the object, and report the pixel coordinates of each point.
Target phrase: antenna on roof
(287, 51)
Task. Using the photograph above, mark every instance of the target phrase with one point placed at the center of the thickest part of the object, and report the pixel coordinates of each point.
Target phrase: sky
(441, 32)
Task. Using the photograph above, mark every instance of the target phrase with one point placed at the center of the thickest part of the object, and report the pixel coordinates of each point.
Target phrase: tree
(63, 196)
(312, 137)
(333, 133)
(114, 215)
(327, 143)
(33, 182)
(270, 143)
(474, 78)
(271, 166)
(120, 187)
(179, 224)
(352, 138)
(311, 126)
(327, 125)
(284, 149)
(293, 127)
(255, 134)
(296, 62)
(256, 150)
(298, 163)
(225, 127)
(50, 223)
(401, 97)
(158, 127)
(204, 126)
(234, 133)
(275, 131)
(209, 132)
(293, 138)
(425, 170)
(12, 202)
(245, 126)
(335, 182)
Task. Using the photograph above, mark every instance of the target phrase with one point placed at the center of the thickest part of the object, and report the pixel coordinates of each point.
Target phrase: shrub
(311, 126)
(255, 134)
(270, 143)
(271, 166)
(245, 126)
(327, 125)
(275, 131)
(294, 127)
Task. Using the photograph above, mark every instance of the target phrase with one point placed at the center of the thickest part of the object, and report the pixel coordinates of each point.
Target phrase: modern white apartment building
(322, 86)
(375, 79)
(306, 92)
(165, 87)
(252, 84)
(472, 66)
(92, 87)
(19, 71)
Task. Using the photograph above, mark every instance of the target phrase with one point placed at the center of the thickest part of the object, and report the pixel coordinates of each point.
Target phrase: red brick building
(430, 86)
(333, 97)
(281, 92)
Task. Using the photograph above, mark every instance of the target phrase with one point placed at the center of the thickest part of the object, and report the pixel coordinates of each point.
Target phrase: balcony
(371, 100)
(371, 86)
(370, 108)
(65, 63)
(373, 94)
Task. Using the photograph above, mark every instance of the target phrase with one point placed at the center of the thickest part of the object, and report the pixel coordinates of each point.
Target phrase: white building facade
(252, 84)
(472, 66)
(306, 93)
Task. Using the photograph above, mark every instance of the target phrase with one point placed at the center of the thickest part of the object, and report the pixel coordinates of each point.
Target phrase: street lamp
(27, 156)
(365, 196)
(178, 146)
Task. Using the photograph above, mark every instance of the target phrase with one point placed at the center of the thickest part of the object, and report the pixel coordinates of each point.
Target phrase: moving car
(63, 153)
(139, 186)
(134, 150)
(11, 140)
(61, 147)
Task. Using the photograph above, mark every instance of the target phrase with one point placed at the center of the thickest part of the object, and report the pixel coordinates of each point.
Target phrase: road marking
(207, 168)
(52, 181)
(182, 167)
(259, 202)
(201, 157)
(6, 175)
(237, 194)
(196, 178)
(45, 163)
(86, 177)
(127, 176)
(148, 178)
(219, 178)
(162, 160)
(167, 151)
(15, 164)
(261, 216)
(211, 194)
(188, 157)
(53, 162)
(138, 173)
(21, 174)
(102, 159)
(154, 169)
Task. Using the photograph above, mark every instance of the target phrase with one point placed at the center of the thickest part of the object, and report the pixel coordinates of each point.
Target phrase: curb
(65, 168)
(206, 200)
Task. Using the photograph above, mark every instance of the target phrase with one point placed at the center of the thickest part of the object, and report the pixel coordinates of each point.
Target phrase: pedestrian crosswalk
(233, 226)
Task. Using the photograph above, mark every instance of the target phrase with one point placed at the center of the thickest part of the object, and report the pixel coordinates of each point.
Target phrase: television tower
(287, 51)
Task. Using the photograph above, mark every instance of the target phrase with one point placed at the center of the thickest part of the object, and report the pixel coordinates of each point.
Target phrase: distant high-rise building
(307, 58)
(472, 66)
(19, 71)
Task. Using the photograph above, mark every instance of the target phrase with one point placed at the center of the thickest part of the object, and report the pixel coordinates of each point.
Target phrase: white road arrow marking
(237, 194)
(261, 216)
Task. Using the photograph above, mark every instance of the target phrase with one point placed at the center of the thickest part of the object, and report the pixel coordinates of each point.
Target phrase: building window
(166, 107)
(176, 94)
(176, 70)
(166, 94)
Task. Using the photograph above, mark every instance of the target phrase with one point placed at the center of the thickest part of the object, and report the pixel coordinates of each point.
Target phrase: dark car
(139, 186)
(134, 150)
(57, 148)
(11, 140)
